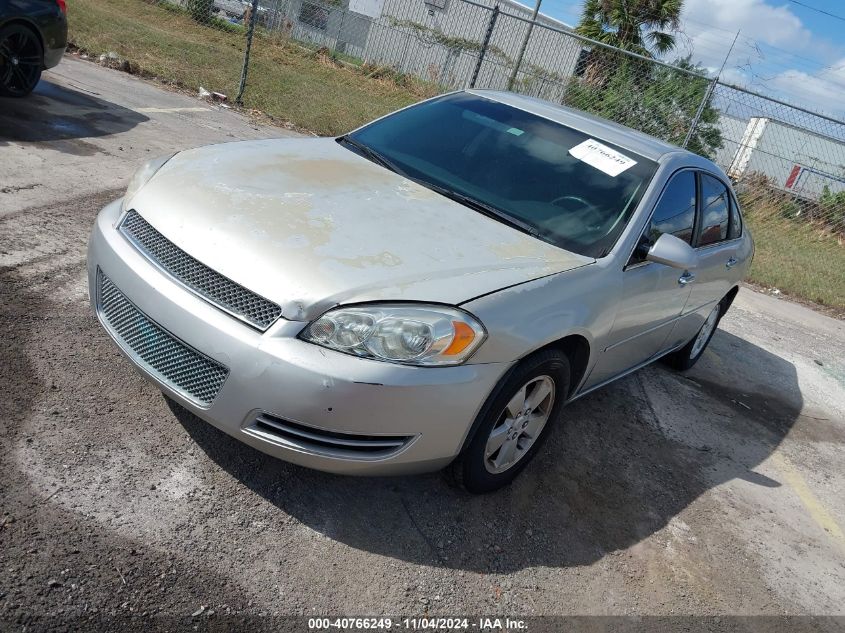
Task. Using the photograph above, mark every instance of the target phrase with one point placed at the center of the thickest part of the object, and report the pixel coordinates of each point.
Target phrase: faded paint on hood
(309, 224)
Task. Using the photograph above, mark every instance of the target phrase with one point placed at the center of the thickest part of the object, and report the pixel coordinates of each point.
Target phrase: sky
(783, 49)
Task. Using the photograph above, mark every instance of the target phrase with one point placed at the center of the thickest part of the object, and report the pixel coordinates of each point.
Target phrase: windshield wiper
(468, 201)
(371, 154)
(486, 209)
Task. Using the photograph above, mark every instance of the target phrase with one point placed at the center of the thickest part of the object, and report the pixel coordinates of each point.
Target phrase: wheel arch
(577, 350)
(729, 298)
(29, 24)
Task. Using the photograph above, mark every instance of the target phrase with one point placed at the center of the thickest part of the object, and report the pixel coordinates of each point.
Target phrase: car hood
(309, 224)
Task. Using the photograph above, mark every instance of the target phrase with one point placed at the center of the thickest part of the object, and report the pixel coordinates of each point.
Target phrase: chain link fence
(787, 162)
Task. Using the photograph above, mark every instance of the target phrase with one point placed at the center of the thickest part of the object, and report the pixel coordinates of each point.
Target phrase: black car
(33, 37)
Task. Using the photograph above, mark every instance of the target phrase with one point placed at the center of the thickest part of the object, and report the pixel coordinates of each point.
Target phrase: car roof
(633, 140)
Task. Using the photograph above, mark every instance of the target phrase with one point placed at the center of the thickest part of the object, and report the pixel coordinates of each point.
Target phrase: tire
(688, 355)
(21, 60)
(478, 470)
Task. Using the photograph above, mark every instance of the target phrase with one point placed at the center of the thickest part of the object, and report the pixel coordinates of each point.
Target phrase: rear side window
(735, 230)
(715, 211)
(674, 214)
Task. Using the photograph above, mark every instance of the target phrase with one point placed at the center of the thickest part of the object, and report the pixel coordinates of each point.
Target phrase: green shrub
(832, 207)
(200, 10)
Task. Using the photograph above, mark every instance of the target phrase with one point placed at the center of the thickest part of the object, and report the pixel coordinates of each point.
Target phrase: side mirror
(673, 252)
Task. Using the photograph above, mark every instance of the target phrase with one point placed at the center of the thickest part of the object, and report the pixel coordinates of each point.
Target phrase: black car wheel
(21, 60)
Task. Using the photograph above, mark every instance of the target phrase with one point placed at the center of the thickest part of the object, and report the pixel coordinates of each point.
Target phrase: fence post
(340, 32)
(707, 94)
(521, 54)
(250, 31)
(490, 25)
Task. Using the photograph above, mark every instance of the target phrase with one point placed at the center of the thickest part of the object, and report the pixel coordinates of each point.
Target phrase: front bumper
(321, 392)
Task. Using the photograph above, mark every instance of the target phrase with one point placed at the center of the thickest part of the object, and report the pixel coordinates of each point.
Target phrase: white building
(436, 40)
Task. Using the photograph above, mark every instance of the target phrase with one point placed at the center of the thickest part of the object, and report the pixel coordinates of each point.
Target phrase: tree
(654, 99)
(639, 26)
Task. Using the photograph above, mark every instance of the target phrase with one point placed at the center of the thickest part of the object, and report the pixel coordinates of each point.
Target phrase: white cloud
(732, 75)
(756, 19)
(821, 90)
(709, 27)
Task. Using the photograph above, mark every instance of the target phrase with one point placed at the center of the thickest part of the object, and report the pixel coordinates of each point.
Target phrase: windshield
(560, 184)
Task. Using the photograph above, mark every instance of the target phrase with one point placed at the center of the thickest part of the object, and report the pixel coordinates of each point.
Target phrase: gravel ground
(714, 493)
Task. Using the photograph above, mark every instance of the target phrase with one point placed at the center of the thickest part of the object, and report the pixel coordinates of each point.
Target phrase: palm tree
(639, 26)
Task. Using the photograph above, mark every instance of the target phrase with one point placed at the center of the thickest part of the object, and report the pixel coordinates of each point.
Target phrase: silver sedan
(428, 290)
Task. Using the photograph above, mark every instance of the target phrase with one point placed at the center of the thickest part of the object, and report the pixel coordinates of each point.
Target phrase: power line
(828, 13)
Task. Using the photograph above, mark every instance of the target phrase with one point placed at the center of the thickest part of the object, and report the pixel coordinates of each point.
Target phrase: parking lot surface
(718, 491)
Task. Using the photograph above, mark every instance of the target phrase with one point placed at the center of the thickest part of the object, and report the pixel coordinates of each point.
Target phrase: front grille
(199, 278)
(323, 442)
(184, 369)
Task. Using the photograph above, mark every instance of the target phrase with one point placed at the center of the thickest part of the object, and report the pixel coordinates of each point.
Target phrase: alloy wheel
(705, 332)
(519, 424)
(20, 61)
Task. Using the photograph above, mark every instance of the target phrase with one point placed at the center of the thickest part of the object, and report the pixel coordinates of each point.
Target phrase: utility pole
(707, 94)
(522, 48)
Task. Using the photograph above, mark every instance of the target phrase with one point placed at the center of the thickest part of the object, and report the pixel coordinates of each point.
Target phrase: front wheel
(21, 60)
(513, 423)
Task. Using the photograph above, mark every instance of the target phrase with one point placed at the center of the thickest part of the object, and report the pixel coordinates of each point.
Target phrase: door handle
(686, 278)
(731, 263)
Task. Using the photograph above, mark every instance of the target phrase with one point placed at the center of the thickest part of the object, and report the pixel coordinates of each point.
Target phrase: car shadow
(619, 465)
(63, 117)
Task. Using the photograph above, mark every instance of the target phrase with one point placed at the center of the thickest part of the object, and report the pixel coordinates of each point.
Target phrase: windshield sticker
(516, 131)
(602, 157)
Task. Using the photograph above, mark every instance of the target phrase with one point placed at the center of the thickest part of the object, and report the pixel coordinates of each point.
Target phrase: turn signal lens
(464, 336)
(411, 334)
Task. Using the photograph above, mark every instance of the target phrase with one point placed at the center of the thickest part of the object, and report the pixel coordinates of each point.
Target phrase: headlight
(412, 334)
(142, 177)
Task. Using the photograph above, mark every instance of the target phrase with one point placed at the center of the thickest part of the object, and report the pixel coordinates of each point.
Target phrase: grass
(799, 260)
(286, 81)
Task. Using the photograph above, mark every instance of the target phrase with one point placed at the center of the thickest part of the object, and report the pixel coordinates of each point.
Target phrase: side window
(715, 211)
(674, 214)
(735, 229)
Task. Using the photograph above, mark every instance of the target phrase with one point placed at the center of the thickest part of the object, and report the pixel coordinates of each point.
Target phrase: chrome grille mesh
(209, 284)
(184, 369)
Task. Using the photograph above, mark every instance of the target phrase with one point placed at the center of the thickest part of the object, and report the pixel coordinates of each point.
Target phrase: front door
(653, 295)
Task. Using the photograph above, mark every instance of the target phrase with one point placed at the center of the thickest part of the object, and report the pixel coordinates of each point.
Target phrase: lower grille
(181, 367)
(323, 442)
